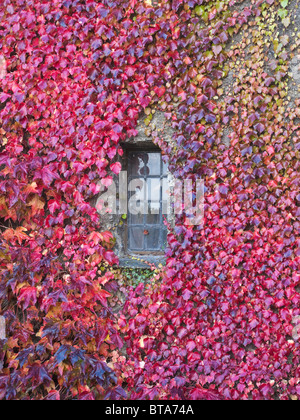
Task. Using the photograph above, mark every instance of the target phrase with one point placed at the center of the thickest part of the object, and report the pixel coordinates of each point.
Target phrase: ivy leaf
(116, 168)
(117, 128)
(284, 3)
(53, 396)
(203, 394)
(107, 182)
(40, 375)
(286, 21)
(4, 97)
(160, 91)
(217, 49)
(36, 203)
(200, 10)
(88, 121)
(110, 257)
(53, 205)
(61, 355)
(28, 296)
(282, 13)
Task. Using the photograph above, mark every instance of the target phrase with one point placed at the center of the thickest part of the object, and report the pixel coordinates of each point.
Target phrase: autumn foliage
(218, 324)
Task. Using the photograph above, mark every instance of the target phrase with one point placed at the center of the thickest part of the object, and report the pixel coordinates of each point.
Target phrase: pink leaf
(107, 182)
(116, 168)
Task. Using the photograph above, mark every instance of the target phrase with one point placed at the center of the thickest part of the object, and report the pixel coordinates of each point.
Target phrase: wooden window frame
(141, 149)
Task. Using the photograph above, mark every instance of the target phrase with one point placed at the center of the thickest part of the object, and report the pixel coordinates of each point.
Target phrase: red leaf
(117, 128)
(28, 295)
(187, 294)
(169, 330)
(160, 91)
(53, 396)
(116, 167)
(110, 257)
(204, 395)
(191, 345)
(107, 182)
(4, 97)
(53, 206)
(88, 121)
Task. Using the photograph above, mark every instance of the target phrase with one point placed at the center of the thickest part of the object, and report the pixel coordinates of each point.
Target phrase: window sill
(142, 261)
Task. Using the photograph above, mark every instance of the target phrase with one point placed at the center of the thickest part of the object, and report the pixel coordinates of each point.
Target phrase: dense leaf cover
(219, 322)
(67, 99)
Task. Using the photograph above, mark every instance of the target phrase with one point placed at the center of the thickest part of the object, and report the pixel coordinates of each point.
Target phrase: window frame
(147, 148)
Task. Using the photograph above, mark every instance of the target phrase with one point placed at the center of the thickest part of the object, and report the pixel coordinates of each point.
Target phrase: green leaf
(284, 3)
(282, 13)
(199, 10)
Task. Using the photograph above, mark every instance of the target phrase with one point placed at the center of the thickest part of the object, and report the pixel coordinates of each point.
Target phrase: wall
(148, 131)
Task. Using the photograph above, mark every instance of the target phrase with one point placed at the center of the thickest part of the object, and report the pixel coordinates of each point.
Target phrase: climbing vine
(219, 321)
(222, 323)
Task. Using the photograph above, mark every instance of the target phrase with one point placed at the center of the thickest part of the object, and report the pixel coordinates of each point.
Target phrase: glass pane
(154, 213)
(154, 188)
(153, 164)
(137, 202)
(153, 239)
(136, 188)
(136, 219)
(136, 163)
(136, 239)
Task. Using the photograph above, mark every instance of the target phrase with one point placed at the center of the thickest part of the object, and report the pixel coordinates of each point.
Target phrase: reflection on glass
(153, 163)
(137, 202)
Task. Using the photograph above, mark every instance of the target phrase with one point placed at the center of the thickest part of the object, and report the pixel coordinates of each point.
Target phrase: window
(147, 202)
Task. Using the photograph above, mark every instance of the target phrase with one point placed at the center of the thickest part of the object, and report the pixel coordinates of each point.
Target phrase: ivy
(219, 321)
(135, 276)
(223, 317)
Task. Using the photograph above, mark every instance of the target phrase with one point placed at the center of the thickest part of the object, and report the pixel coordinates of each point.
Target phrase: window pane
(154, 214)
(136, 163)
(153, 164)
(136, 239)
(154, 189)
(153, 239)
(147, 198)
(137, 188)
(136, 219)
(137, 197)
